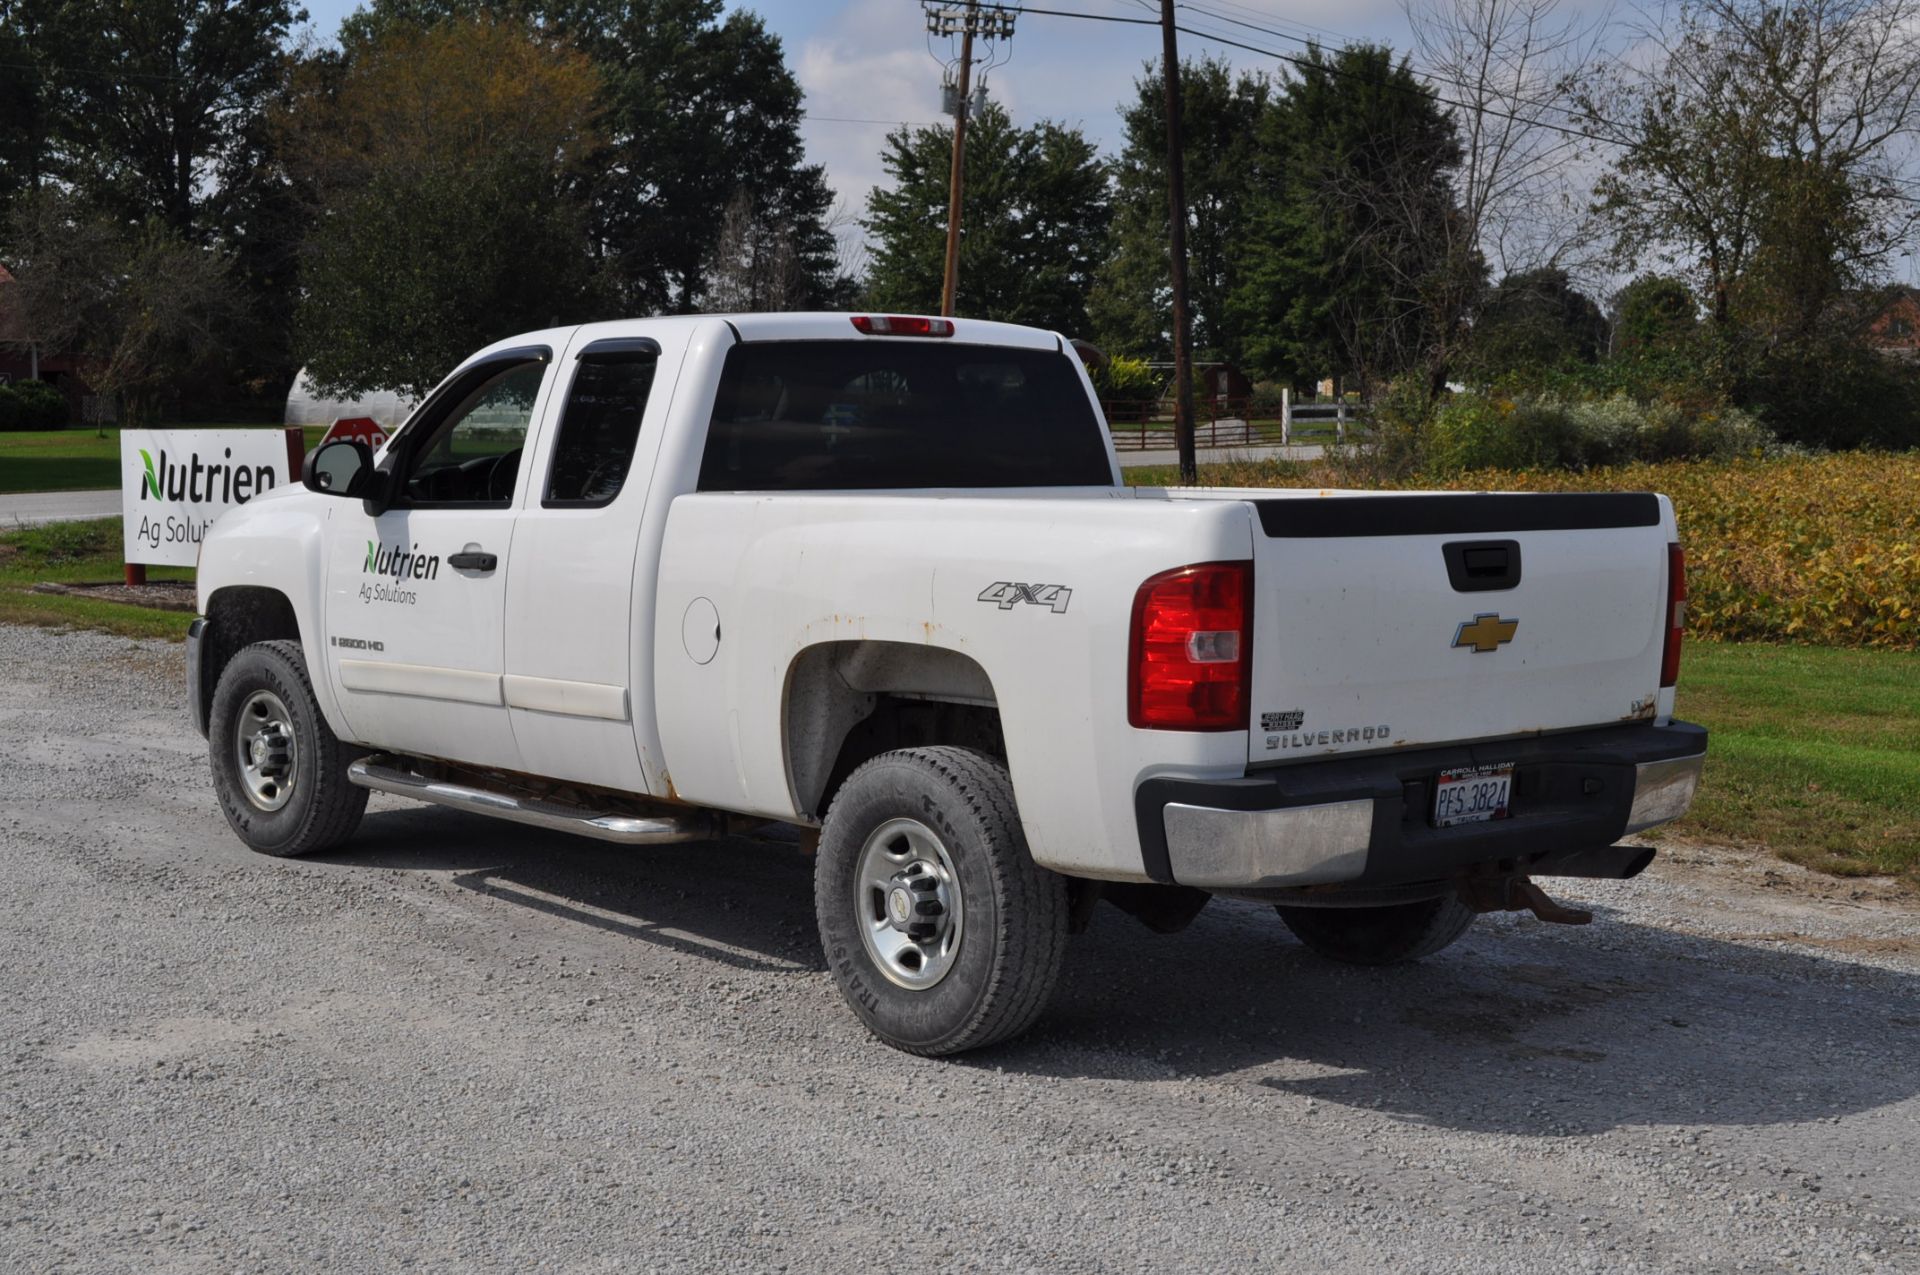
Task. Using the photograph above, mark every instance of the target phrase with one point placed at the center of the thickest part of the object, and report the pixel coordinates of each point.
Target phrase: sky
(868, 60)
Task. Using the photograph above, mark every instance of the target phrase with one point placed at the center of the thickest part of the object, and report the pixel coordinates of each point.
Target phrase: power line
(847, 119)
(1304, 64)
(1343, 73)
(1427, 71)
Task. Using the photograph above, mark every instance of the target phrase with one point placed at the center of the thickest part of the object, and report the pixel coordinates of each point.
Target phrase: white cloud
(870, 64)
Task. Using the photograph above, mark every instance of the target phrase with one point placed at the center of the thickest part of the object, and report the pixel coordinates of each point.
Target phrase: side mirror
(338, 468)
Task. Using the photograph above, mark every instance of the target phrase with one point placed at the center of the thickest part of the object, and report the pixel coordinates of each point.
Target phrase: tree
(145, 310)
(1762, 149)
(1131, 305)
(1652, 312)
(754, 267)
(159, 94)
(166, 323)
(32, 41)
(1760, 152)
(1033, 234)
(1536, 321)
(1657, 345)
(694, 104)
(1358, 263)
(64, 258)
(446, 164)
(1511, 71)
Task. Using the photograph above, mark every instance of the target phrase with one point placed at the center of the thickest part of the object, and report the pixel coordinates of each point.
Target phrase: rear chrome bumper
(1662, 790)
(1295, 845)
(1365, 820)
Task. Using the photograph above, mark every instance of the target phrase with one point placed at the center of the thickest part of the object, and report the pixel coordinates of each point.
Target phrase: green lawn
(77, 553)
(59, 460)
(1815, 753)
(77, 459)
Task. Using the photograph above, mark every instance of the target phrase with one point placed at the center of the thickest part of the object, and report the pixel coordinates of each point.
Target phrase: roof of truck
(806, 326)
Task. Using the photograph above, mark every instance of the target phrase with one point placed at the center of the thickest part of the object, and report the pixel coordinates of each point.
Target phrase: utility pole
(1177, 251)
(968, 21)
(956, 179)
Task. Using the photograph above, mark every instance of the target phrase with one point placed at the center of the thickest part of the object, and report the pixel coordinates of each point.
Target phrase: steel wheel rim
(265, 747)
(903, 868)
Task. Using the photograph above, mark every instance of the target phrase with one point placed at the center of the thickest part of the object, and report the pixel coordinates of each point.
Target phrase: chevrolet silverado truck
(878, 577)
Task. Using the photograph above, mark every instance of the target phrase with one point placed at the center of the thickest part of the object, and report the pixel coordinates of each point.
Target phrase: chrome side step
(381, 775)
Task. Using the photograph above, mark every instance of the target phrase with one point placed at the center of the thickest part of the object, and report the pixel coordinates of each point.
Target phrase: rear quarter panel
(784, 572)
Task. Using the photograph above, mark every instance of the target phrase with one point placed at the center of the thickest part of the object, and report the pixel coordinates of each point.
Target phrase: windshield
(870, 414)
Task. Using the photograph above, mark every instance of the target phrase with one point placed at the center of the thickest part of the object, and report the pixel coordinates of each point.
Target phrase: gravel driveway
(466, 1046)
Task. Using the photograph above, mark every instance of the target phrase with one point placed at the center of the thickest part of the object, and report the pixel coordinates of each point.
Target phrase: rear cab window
(883, 414)
(600, 424)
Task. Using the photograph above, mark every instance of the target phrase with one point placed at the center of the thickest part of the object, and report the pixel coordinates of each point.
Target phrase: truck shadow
(739, 902)
(1520, 1028)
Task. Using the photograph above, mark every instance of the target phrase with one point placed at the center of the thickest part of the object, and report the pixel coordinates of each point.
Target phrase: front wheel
(1380, 935)
(279, 770)
(940, 930)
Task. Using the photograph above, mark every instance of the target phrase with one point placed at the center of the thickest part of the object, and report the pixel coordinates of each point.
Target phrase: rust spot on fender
(1643, 710)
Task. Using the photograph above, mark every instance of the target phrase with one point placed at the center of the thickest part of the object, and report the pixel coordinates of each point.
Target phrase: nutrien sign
(175, 482)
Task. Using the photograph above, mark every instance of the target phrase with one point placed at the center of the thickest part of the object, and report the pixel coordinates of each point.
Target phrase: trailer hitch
(1517, 894)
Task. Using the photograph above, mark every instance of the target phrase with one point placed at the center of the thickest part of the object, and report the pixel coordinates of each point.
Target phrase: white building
(304, 407)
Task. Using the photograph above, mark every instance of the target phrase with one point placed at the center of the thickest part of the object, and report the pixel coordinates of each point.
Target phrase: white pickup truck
(878, 577)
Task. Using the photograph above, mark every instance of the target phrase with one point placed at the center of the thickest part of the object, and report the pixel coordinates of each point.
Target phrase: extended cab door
(416, 596)
(571, 606)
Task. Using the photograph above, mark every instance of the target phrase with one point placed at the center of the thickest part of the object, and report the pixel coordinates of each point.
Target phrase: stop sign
(363, 428)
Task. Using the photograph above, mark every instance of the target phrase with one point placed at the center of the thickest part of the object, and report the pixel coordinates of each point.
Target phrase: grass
(78, 553)
(1815, 754)
(59, 460)
(77, 459)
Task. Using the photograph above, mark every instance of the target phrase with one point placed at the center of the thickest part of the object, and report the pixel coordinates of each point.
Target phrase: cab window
(473, 455)
(594, 448)
(864, 414)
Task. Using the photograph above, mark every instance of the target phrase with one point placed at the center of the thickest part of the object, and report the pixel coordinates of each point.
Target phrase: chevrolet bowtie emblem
(1486, 632)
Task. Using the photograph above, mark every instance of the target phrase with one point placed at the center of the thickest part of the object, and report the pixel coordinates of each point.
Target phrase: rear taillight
(901, 325)
(1192, 649)
(1676, 614)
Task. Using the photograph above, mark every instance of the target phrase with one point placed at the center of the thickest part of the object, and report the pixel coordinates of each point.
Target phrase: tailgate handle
(1481, 566)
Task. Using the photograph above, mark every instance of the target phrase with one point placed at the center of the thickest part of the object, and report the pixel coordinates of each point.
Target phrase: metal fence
(1238, 422)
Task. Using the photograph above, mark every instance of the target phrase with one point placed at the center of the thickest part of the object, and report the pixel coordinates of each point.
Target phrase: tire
(971, 954)
(1380, 935)
(295, 799)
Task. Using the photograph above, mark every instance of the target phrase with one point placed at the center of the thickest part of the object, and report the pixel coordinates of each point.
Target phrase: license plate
(1471, 794)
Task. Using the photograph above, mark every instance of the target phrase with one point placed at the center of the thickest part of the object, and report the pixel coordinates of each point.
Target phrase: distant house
(21, 362)
(1894, 329)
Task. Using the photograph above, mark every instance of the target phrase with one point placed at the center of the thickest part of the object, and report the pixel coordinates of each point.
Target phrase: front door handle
(472, 560)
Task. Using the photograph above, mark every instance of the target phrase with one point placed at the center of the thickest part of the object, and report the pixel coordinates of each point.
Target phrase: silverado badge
(1485, 632)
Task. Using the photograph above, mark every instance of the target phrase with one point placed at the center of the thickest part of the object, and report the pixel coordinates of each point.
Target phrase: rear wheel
(279, 770)
(1380, 935)
(940, 930)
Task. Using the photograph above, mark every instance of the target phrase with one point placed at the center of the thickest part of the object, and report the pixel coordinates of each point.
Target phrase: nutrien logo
(400, 562)
(198, 480)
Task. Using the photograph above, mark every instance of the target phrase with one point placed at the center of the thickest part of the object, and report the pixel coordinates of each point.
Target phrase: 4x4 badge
(1486, 632)
(1006, 595)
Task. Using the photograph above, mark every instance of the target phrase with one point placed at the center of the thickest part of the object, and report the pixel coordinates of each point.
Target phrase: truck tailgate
(1393, 621)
